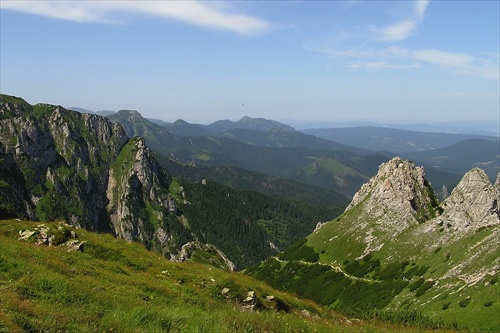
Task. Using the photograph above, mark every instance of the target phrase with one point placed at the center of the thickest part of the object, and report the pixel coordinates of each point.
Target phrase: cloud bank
(212, 15)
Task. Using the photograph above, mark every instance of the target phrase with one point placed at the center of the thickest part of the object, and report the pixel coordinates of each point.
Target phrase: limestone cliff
(473, 203)
(82, 168)
(397, 198)
(400, 189)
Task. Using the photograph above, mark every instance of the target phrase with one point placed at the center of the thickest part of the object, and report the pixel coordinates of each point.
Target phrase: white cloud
(62, 10)
(448, 59)
(405, 27)
(370, 54)
(420, 7)
(461, 63)
(397, 32)
(396, 57)
(381, 65)
(207, 14)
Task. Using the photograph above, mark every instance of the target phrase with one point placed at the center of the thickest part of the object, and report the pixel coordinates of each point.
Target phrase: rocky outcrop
(473, 203)
(134, 184)
(212, 255)
(398, 206)
(61, 157)
(64, 235)
(397, 248)
(399, 187)
(63, 165)
(397, 198)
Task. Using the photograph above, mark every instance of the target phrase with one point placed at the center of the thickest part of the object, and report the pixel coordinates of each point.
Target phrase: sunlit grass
(118, 286)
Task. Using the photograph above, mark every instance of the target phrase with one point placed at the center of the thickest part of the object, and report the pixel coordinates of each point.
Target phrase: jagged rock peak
(398, 182)
(397, 197)
(475, 180)
(473, 202)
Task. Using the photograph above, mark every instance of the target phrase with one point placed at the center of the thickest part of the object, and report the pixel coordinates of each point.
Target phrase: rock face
(473, 203)
(399, 188)
(82, 168)
(134, 184)
(397, 198)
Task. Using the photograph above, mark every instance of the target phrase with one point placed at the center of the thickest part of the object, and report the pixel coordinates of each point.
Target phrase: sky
(202, 61)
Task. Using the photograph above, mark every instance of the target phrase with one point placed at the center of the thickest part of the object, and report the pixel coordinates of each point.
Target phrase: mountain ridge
(395, 140)
(397, 248)
(443, 172)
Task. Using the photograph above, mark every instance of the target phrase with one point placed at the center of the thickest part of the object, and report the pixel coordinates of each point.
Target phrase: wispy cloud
(381, 65)
(419, 7)
(396, 32)
(485, 66)
(371, 54)
(215, 15)
(461, 63)
(448, 59)
(404, 28)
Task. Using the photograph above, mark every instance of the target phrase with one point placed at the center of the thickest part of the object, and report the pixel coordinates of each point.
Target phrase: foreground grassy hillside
(108, 285)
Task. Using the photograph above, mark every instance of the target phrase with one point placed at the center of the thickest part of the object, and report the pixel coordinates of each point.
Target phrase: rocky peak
(397, 198)
(473, 202)
(13, 106)
(398, 188)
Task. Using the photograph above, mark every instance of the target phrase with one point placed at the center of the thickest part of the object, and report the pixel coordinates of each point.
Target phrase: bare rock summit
(397, 197)
(473, 203)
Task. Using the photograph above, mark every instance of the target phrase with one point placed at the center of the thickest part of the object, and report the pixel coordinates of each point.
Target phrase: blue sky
(300, 60)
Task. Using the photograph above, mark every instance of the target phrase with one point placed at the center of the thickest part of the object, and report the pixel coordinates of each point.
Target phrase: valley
(364, 234)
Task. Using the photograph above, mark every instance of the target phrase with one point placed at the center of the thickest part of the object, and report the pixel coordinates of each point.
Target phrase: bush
(463, 303)
(424, 287)
(415, 285)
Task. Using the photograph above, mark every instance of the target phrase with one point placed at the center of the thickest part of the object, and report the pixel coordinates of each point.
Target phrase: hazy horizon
(482, 127)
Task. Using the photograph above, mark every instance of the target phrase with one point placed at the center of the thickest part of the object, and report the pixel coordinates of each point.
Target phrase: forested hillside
(248, 226)
(241, 179)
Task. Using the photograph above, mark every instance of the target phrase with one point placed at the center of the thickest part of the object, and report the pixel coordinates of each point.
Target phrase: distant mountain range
(462, 156)
(275, 152)
(215, 144)
(283, 152)
(394, 140)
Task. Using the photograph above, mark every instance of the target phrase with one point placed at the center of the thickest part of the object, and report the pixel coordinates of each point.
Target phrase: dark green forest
(242, 223)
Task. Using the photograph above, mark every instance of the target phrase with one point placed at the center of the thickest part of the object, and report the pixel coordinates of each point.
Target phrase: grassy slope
(446, 299)
(118, 286)
(388, 280)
